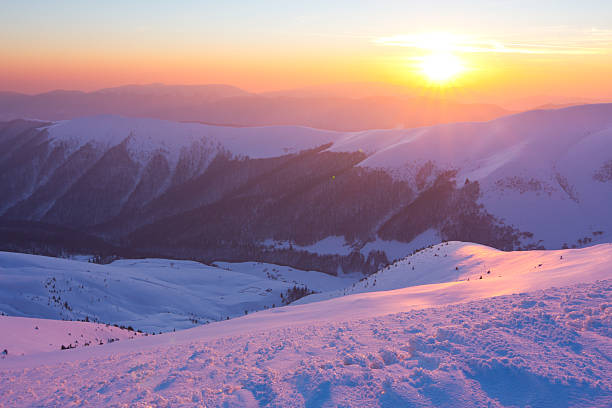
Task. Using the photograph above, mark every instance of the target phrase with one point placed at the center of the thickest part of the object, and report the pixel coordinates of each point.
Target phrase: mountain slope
(148, 294)
(24, 336)
(539, 179)
(457, 263)
(536, 170)
(534, 336)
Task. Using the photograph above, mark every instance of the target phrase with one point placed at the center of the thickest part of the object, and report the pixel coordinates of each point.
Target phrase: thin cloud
(599, 41)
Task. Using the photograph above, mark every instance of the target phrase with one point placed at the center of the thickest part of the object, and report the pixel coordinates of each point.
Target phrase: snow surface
(149, 136)
(314, 280)
(340, 246)
(456, 264)
(22, 335)
(144, 137)
(326, 246)
(148, 294)
(534, 336)
(397, 249)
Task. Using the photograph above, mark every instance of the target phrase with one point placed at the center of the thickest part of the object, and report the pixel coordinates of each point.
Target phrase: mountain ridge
(188, 189)
(226, 104)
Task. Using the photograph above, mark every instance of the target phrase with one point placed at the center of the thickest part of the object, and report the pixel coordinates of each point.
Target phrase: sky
(502, 50)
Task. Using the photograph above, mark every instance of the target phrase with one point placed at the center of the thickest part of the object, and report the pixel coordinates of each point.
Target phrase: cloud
(592, 41)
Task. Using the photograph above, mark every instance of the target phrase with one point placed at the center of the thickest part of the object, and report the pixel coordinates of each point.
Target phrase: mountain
(228, 105)
(152, 295)
(208, 92)
(548, 102)
(313, 199)
(533, 332)
(355, 90)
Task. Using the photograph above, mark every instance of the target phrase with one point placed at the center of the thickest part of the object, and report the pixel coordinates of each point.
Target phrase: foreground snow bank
(536, 331)
(548, 348)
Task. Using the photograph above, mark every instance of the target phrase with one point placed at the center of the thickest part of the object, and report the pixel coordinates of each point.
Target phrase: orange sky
(262, 47)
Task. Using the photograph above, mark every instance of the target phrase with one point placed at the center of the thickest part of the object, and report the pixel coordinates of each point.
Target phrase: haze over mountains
(292, 195)
(374, 108)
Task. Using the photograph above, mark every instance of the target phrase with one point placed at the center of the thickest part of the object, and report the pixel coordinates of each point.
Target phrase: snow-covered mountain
(151, 295)
(533, 332)
(141, 158)
(315, 199)
(547, 172)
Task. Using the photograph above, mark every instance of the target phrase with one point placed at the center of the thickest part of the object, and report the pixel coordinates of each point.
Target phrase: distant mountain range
(314, 199)
(228, 105)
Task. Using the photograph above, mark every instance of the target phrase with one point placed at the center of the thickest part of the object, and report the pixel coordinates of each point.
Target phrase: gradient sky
(512, 49)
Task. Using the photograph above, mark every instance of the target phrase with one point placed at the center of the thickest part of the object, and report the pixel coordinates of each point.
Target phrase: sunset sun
(441, 67)
(435, 55)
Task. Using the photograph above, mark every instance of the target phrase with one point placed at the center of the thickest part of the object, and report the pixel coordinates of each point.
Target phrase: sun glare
(441, 66)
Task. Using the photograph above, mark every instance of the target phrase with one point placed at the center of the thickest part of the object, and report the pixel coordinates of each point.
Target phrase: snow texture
(538, 335)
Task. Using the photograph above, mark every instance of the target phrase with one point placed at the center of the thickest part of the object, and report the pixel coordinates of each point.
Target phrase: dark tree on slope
(295, 293)
(455, 212)
(229, 210)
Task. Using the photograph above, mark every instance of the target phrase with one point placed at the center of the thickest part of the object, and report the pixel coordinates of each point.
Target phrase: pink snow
(535, 331)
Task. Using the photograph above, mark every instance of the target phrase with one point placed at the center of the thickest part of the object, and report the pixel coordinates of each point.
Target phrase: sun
(440, 64)
(441, 67)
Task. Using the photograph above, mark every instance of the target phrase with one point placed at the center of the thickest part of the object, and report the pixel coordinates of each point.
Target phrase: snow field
(548, 348)
(535, 331)
(151, 295)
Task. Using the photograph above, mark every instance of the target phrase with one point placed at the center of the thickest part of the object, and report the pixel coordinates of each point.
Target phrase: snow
(397, 250)
(533, 332)
(456, 265)
(338, 245)
(314, 280)
(145, 137)
(149, 136)
(326, 246)
(535, 169)
(456, 324)
(271, 141)
(24, 336)
(152, 295)
(534, 138)
(329, 245)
